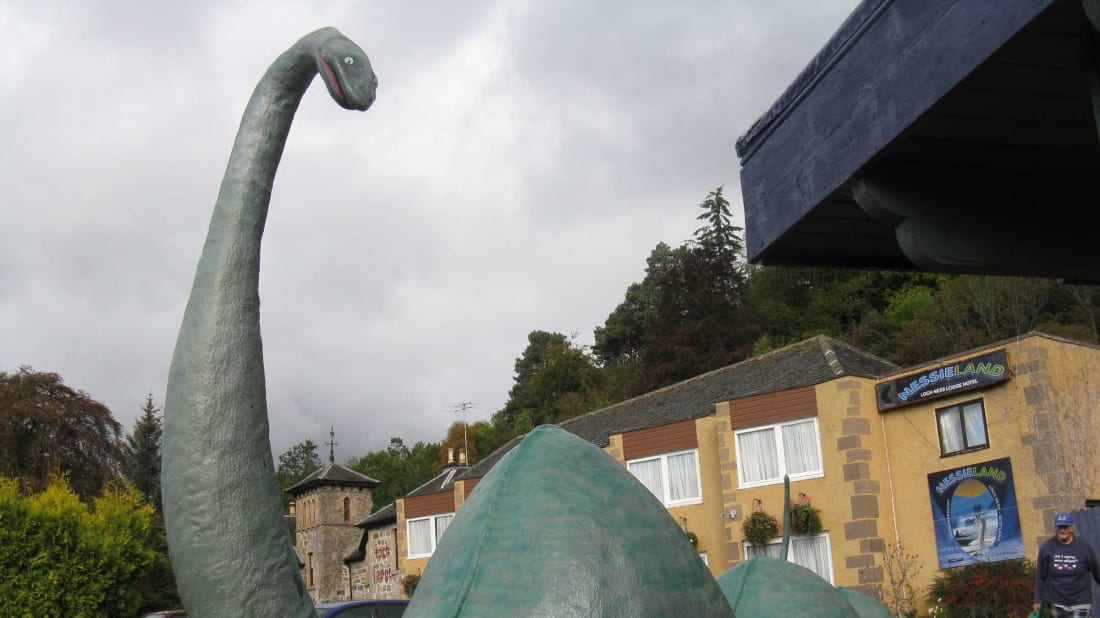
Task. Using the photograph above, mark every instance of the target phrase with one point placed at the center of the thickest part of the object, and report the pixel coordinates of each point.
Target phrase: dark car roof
(339, 604)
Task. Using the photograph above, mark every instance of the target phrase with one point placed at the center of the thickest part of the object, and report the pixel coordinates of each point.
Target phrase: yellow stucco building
(961, 459)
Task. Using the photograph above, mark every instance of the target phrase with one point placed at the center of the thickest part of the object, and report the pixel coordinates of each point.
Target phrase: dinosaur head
(346, 71)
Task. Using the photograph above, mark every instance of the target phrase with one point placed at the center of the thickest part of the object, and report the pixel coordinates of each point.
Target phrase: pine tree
(141, 453)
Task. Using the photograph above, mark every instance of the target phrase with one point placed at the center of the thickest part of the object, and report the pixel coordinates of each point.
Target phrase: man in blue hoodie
(1064, 572)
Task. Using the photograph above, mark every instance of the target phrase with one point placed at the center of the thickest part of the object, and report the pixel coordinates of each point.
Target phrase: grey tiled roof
(441, 482)
(808, 362)
(381, 516)
(384, 515)
(332, 474)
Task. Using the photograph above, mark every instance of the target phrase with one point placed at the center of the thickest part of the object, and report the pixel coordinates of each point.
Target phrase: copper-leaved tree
(47, 427)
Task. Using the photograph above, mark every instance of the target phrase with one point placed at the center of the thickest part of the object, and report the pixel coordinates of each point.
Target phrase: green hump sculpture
(230, 550)
(766, 586)
(864, 605)
(559, 529)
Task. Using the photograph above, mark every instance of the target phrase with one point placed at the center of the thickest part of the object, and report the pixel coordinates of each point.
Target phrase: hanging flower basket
(692, 538)
(805, 517)
(759, 528)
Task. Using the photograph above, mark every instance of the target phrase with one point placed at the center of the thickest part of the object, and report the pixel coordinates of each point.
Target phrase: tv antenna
(463, 407)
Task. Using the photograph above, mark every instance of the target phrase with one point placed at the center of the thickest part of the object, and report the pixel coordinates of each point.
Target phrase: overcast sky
(520, 163)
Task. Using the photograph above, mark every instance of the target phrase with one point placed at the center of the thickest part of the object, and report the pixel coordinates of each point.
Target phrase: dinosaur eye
(349, 60)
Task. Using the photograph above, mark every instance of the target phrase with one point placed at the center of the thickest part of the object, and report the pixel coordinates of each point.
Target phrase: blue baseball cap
(1063, 519)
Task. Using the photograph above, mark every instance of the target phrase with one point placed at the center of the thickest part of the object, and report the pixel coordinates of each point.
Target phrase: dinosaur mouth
(333, 81)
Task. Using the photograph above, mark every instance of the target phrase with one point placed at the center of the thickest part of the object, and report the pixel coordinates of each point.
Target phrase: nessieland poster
(974, 514)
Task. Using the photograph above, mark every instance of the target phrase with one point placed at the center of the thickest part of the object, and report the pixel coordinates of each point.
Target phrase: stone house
(327, 504)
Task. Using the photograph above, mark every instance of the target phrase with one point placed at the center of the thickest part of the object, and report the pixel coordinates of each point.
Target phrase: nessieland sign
(958, 377)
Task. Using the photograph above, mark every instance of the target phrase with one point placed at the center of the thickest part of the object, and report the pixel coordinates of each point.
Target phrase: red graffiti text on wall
(381, 552)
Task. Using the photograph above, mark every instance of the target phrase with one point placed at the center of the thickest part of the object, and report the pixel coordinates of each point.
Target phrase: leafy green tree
(969, 310)
(621, 340)
(492, 434)
(157, 587)
(298, 462)
(700, 323)
(141, 468)
(141, 453)
(59, 558)
(867, 309)
(720, 241)
(555, 380)
(460, 437)
(47, 427)
(398, 468)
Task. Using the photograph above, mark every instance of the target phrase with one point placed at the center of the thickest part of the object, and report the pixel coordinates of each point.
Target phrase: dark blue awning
(942, 135)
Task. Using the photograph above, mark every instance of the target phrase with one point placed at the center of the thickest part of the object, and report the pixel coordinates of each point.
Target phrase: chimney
(462, 457)
(450, 456)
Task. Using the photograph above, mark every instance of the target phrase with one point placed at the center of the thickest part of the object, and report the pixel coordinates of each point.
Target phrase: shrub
(805, 517)
(58, 557)
(760, 527)
(985, 590)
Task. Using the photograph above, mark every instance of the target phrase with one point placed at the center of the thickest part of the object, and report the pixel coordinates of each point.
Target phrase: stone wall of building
(332, 536)
(381, 565)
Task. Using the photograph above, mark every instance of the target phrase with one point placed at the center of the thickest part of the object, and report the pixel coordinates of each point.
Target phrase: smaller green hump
(560, 529)
(864, 605)
(766, 586)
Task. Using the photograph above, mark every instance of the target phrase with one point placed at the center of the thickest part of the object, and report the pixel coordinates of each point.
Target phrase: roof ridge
(832, 361)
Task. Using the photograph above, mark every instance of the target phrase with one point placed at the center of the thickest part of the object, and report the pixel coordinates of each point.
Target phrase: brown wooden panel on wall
(469, 484)
(431, 504)
(656, 440)
(773, 407)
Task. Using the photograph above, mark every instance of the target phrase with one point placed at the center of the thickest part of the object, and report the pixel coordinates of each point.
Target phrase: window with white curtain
(673, 477)
(425, 532)
(811, 552)
(766, 453)
(962, 428)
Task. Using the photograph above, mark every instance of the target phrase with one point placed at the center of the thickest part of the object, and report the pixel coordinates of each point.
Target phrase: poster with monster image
(974, 514)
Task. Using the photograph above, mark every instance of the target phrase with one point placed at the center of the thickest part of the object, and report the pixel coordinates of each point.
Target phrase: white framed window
(703, 557)
(811, 552)
(672, 477)
(424, 533)
(962, 428)
(766, 453)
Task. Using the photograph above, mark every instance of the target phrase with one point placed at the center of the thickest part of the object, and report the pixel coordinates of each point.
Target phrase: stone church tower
(327, 504)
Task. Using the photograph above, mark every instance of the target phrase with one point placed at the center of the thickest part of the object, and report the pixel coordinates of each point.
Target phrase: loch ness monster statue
(229, 547)
(558, 529)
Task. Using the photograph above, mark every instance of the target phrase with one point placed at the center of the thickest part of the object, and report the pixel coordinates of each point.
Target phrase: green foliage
(906, 303)
(409, 585)
(760, 527)
(398, 468)
(957, 592)
(298, 462)
(554, 381)
(47, 427)
(968, 311)
(622, 337)
(700, 323)
(157, 587)
(805, 517)
(58, 557)
(719, 235)
(141, 453)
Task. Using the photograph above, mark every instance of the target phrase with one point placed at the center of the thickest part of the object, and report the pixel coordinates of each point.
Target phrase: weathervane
(331, 443)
